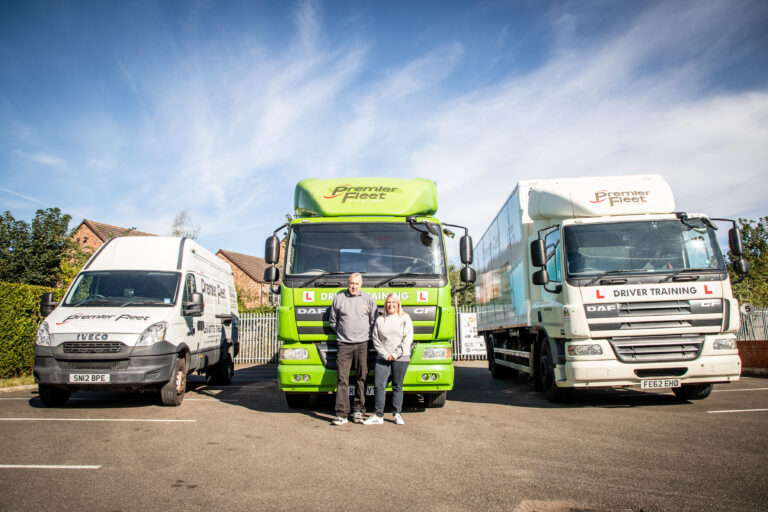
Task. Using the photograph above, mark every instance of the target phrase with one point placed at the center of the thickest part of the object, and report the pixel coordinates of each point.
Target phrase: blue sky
(127, 112)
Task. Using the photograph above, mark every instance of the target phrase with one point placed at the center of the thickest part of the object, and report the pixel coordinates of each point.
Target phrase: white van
(143, 313)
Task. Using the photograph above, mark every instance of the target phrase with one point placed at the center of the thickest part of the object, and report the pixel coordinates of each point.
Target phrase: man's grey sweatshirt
(352, 316)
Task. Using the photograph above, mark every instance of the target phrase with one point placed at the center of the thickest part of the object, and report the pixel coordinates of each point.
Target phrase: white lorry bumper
(605, 373)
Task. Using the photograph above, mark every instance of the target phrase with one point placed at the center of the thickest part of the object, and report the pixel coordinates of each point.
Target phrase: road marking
(45, 466)
(737, 410)
(99, 419)
(745, 389)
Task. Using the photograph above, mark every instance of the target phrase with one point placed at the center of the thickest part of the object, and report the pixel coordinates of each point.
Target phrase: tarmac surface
(496, 445)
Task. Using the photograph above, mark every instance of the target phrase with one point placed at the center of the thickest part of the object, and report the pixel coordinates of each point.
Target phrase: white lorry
(143, 313)
(617, 289)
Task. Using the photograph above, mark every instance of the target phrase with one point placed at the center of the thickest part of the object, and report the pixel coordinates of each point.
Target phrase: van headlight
(437, 353)
(724, 344)
(585, 350)
(294, 353)
(43, 336)
(152, 334)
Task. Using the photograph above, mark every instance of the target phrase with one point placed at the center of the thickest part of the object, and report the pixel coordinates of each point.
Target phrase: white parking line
(45, 466)
(745, 389)
(99, 419)
(737, 410)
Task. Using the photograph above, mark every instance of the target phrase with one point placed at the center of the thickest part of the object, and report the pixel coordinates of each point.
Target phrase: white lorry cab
(602, 282)
(143, 313)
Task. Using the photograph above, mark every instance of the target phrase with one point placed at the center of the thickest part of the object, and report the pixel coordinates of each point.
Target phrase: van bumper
(150, 368)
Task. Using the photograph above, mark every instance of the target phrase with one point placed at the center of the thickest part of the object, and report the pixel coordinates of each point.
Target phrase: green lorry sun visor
(365, 196)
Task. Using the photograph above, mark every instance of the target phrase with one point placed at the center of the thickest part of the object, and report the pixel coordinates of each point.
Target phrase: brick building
(91, 234)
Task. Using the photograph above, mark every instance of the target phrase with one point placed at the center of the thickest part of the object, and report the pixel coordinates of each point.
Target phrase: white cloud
(44, 159)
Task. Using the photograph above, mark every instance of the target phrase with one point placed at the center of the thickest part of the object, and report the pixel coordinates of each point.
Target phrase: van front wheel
(52, 396)
(172, 393)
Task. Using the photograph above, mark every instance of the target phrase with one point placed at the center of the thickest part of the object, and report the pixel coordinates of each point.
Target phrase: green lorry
(383, 228)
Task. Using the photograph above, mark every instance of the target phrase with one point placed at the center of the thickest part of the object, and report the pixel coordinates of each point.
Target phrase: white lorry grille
(657, 349)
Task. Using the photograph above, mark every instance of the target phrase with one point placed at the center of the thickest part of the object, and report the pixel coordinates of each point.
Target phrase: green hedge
(19, 317)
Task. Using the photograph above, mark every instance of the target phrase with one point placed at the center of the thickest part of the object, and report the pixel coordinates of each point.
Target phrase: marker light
(724, 344)
(294, 353)
(43, 336)
(585, 350)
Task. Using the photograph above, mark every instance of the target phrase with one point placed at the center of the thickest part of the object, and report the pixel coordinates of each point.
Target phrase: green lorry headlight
(301, 377)
(724, 344)
(585, 350)
(294, 353)
(437, 353)
(433, 376)
(425, 377)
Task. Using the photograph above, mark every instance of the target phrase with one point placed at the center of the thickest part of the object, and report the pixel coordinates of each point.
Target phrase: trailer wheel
(693, 391)
(546, 376)
(297, 400)
(172, 393)
(434, 400)
(52, 396)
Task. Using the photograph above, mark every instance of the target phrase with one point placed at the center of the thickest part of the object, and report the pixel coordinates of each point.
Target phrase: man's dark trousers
(351, 356)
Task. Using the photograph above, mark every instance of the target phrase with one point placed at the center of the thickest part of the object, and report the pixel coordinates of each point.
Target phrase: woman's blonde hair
(400, 311)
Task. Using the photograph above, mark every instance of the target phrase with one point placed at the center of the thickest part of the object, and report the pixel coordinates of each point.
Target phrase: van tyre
(172, 393)
(221, 373)
(693, 391)
(546, 377)
(297, 400)
(433, 400)
(52, 396)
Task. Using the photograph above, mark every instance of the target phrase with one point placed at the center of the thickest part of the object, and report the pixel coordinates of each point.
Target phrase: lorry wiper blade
(402, 274)
(324, 274)
(687, 270)
(611, 272)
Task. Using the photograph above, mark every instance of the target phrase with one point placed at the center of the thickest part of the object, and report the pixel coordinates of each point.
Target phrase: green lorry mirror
(465, 249)
(272, 250)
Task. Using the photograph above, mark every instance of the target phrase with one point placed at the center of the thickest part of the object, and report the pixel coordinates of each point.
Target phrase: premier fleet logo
(619, 197)
(361, 193)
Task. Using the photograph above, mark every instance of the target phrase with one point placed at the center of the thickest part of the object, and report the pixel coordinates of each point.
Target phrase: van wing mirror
(272, 250)
(193, 307)
(47, 304)
(734, 241)
(538, 254)
(465, 249)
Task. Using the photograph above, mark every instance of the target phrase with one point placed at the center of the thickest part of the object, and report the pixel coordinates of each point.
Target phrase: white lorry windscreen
(123, 288)
(370, 247)
(643, 247)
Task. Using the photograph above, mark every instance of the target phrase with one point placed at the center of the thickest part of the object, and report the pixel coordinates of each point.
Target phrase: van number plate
(92, 378)
(659, 383)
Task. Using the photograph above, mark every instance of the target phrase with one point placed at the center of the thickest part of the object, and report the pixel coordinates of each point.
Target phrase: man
(352, 316)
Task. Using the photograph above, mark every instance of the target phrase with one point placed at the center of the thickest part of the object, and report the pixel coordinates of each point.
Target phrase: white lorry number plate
(369, 391)
(659, 383)
(92, 378)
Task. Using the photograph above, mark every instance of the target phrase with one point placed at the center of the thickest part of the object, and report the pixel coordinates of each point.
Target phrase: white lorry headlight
(585, 350)
(724, 344)
(152, 334)
(294, 353)
(437, 353)
(43, 336)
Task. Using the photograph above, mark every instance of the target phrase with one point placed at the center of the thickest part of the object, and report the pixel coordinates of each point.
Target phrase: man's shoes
(374, 420)
(340, 420)
(399, 419)
(357, 417)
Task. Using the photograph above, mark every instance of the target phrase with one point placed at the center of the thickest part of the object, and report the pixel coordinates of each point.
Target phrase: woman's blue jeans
(384, 370)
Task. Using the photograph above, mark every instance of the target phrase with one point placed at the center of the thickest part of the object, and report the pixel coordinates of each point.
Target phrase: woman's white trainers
(374, 420)
(399, 419)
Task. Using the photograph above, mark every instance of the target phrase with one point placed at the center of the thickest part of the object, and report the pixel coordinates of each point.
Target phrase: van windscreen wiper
(95, 300)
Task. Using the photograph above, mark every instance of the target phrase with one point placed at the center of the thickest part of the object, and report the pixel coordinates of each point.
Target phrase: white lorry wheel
(546, 376)
(693, 391)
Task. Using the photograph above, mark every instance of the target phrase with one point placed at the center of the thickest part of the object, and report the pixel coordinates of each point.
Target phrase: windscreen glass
(371, 248)
(123, 288)
(644, 247)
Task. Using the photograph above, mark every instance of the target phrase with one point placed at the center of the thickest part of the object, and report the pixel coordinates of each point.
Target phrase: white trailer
(599, 282)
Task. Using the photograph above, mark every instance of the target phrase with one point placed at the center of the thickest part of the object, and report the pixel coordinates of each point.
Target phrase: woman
(392, 338)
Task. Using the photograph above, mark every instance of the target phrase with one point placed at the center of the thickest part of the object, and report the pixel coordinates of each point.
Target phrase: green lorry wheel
(433, 400)
(693, 391)
(52, 396)
(297, 400)
(172, 393)
(546, 376)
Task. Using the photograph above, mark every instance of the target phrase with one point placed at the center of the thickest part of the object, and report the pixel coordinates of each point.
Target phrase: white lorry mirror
(538, 255)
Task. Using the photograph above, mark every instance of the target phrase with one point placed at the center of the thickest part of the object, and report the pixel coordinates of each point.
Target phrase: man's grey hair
(356, 274)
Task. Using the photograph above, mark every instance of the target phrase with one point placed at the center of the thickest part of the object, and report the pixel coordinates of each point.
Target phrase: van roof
(149, 253)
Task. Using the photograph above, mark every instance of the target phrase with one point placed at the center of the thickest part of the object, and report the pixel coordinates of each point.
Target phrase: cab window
(552, 244)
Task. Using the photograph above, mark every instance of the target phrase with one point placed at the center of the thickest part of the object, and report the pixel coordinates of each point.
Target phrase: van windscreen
(123, 288)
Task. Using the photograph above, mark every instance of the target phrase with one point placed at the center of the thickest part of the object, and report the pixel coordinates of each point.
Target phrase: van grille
(93, 365)
(657, 349)
(91, 347)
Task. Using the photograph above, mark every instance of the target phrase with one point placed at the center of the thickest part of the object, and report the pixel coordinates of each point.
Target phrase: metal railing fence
(259, 343)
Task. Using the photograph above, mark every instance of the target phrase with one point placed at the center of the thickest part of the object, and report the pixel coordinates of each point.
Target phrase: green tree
(754, 288)
(31, 253)
(464, 298)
